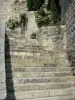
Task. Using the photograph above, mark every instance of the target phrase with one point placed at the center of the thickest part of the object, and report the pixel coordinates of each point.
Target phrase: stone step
(41, 94)
(13, 36)
(20, 54)
(66, 97)
(21, 42)
(20, 38)
(23, 49)
(28, 55)
(19, 45)
(38, 69)
(30, 61)
(37, 74)
(40, 54)
(41, 80)
(20, 64)
(40, 86)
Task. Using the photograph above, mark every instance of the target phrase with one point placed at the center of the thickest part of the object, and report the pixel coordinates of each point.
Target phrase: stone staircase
(33, 73)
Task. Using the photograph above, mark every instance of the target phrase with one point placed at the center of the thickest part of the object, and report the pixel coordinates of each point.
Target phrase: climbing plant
(33, 35)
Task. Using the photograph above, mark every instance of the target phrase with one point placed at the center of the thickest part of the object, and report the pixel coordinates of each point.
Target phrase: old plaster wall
(17, 7)
(52, 38)
(70, 25)
(2, 62)
(4, 9)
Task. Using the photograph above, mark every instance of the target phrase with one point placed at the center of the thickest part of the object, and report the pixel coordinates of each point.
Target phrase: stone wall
(17, 7)
(4, 9)
(70, 24)
(12, 8)
(52, 38)
(2, 62)
(64, 6)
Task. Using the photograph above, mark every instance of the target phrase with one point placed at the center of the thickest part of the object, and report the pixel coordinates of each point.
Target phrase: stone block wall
(4, 9)
(70, 25)
(64, 6)
(12, 8)
(17, 7)
(2, 62)
(52, 38)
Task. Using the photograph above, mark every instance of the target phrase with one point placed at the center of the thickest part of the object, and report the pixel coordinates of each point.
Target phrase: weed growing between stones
(12, 24)
(33, 35)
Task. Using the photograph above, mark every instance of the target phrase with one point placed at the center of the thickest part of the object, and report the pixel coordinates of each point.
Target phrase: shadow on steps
(9, 83)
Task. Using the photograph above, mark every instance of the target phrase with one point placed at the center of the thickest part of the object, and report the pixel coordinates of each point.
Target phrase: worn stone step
(40, 86)
(14, 35)
(40, 80)
(27, 55)
(23, 54)
(41, 93)
(33, 55)
(19, 54)
(66, 97)
(22, 43)
(21, 64)
(14, 46)
(25, 64)
(38, 74)
(23, 49)
(30, 61)
(38, 69)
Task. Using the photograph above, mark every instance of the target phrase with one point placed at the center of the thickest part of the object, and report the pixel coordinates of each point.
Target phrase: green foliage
(12, 24)
(37, 4)
(23, 18)
(53, 5)
(30, 4)
(34, 4)
(44, 17)
(33, 35)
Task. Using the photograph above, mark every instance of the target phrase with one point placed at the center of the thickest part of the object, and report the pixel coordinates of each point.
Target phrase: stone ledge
(2, 62)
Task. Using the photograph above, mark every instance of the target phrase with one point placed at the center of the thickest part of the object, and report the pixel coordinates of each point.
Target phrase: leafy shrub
(34, 4)
(33, 35)
(54, 6)
(12, 24)
(37, 4)
(44, 17)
